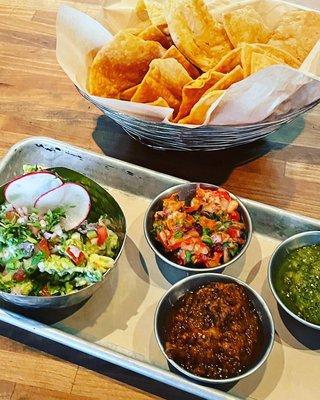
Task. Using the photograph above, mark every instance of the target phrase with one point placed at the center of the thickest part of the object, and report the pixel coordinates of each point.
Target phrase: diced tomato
(223, 194)
(77, 257)
(19, 275)
(207, 223)
(44, 247)
(174, 246)
(10, 215)
(233, 232)
(214, 261)
(102, 235)
(44, 291)
(194, 206)
(191, 209)
(235, 216)
(199, 259)
(200, 193)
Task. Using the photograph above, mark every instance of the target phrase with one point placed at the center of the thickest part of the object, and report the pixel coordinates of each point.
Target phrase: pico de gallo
(208, 232)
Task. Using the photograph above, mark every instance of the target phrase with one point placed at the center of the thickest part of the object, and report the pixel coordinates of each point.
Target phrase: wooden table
(38, 99)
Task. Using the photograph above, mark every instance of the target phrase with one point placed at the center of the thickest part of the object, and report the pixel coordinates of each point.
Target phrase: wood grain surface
(36, 98)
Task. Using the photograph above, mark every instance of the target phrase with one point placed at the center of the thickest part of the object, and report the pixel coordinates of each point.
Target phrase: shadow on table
(308, 337)
(46, 315)
(213, 166)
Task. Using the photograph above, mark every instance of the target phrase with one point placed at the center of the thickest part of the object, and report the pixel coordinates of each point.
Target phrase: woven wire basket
(206, 138)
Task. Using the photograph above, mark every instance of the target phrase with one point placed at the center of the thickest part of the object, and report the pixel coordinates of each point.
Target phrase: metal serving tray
(116, 323)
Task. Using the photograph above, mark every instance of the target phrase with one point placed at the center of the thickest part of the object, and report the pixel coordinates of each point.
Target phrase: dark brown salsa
(214, 331)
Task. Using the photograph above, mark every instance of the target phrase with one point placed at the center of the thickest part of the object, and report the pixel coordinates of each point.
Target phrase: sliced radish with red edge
(71, 196)
(24, 190)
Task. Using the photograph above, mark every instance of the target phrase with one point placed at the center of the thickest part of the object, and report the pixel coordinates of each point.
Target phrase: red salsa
(208, 232)
(214, 331)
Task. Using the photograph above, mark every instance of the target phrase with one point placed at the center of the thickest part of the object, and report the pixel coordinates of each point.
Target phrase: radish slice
(26, 189)
(73, 197)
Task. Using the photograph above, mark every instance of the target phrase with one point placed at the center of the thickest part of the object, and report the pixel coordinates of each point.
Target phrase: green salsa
(297, 282)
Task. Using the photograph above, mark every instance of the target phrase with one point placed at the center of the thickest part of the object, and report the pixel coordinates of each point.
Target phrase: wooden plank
(37, 371)
(27, 392)
(6, 389)
(96, 386)
(303, 171)
(22, 13)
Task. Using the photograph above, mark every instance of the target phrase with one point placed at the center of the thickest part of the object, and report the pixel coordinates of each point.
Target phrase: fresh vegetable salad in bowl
(60, 233)
(198, 227)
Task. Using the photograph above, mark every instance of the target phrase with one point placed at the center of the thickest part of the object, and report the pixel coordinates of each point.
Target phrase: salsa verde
(297, 282)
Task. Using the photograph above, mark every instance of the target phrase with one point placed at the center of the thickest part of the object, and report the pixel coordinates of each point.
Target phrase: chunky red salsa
(214, 331)
(207, 232)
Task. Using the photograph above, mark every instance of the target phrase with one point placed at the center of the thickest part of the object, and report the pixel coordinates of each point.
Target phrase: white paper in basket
(249, 101)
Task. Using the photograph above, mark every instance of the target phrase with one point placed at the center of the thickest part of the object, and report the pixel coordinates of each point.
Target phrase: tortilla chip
(165, 79)
(155, 11)
(160, 102)
(199, 110)
(141, 11)
(268, 50)
(245, 55)
(260, 61)
(227, 80)
(128, 93)
(200, 38)
(121, 64)
(154, 33)
(245, 25)
(135, 31)
(283, 55)
(297, 33)
(193, 91)
(173, 52)
(229, 61)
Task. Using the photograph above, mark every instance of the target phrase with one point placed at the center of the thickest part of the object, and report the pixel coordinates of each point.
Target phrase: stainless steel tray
(116, 323)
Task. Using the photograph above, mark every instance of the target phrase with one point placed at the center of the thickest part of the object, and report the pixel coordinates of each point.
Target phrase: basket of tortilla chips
(190, 74)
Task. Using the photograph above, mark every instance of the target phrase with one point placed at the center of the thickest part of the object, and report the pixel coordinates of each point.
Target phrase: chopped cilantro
(40, 256)
(178, 235)
(188, 256)
(207, 239)
(53, 217)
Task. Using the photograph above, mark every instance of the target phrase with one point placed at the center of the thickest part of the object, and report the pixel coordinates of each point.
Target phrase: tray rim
(99, 351)
(45, 139)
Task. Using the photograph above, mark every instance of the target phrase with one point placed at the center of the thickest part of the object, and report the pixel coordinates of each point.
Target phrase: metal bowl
(194, 282)
(116, 215)
(162, 136)
(292, 243)
(186, 191)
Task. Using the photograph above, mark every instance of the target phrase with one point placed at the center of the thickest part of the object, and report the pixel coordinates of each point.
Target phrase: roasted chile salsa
(206, 233)
(214, 331)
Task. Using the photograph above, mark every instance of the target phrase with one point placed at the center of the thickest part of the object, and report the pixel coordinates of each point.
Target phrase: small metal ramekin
(193, 282)
(186, 191)
(292, 243)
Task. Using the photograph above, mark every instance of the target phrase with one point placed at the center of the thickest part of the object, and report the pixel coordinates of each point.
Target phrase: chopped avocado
(23, 288)
(58, 265)
(92, 234)
(98, 262)
(111, 243)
